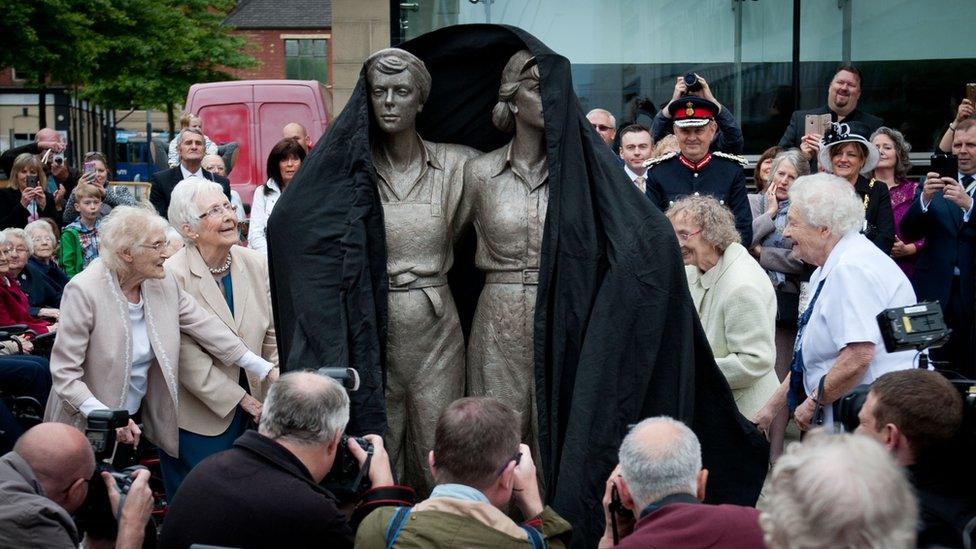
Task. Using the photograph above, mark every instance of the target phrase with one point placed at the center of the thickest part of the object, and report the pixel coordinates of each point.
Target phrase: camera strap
(818, 412)
(364, 470)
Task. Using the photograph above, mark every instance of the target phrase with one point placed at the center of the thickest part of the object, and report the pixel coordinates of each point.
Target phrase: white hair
(605, 112)
(841, 491)
(657, 469)
(182, 209)
(825, 200)
(123, 229)
(22, 234)
(306, 408)
(40, 225)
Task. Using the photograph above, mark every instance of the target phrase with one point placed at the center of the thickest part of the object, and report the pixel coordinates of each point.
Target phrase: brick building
(291, 39)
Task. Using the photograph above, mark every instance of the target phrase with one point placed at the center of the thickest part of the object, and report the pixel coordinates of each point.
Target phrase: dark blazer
(164, 181)
(41, 291)
(949, 243)
(13, 214)
(794, 132)
(878, 214)
(257, 494)
(679, 521)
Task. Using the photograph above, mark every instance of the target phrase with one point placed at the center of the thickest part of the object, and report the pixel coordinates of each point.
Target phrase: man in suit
(842, 98)
(635, 149)
(660, 478)
(192, 150)
(942, 214)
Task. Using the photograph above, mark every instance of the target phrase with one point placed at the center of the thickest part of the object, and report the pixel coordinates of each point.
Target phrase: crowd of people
(163, 309)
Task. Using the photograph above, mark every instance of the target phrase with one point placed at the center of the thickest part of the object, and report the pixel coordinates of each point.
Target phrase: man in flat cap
(696, 171)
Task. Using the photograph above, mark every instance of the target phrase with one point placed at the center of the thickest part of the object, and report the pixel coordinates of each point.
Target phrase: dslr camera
(692, 83)
(347, 480)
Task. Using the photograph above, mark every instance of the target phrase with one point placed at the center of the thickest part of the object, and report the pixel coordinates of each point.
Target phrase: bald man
(45, 479)
(44, 139)
(296, 131)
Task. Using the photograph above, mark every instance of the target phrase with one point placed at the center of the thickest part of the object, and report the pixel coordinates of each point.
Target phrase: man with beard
(842, 98)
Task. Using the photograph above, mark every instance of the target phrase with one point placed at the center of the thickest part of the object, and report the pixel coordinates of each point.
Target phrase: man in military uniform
(696, 171)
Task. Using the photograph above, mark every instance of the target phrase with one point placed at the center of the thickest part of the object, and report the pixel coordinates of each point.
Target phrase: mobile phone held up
(971, 92)
(32, 180)
(90, 169)
(817, 124)
(946, 165)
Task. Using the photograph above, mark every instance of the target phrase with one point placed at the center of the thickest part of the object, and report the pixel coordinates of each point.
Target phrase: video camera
(347, 480)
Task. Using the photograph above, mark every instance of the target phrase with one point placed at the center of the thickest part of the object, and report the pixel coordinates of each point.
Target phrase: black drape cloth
(616, 335)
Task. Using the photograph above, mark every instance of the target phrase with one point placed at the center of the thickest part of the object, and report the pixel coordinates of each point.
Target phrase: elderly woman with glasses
(96, 173)
(42, 294)
(122, 324)
(838, 344)
(216, 398)
(24, 198)
(45, 248)
(733, 298)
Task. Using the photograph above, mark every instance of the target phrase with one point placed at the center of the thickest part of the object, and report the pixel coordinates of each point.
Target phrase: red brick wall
(269, 50)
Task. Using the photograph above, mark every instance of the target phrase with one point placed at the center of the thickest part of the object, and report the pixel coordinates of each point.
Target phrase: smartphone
(32, 180)
(90, 167)
(971, 92)
(816, 124)
(946, 165)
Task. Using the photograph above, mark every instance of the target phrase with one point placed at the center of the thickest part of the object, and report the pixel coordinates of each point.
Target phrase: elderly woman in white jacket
(733, 296)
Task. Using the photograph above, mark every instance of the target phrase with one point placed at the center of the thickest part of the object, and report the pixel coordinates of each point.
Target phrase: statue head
(518, 94)
(398, 85)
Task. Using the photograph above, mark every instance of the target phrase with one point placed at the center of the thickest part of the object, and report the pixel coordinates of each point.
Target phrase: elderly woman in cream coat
(118, 345)
(230, 282)
(733, 297)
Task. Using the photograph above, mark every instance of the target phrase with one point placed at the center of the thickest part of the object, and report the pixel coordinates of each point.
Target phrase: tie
(797, 392)
(967, 183)
(640, 182)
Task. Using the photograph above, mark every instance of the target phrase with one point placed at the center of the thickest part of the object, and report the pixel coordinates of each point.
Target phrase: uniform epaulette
(731, 157)
(659, 159)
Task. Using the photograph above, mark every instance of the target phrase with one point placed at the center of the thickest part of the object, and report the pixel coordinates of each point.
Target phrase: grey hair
(40, 225)
(306, 408)
(902, 148)
(843, 491)
(605, 112)
(123, 229)
(190, 130)
(716, 221)
(825, 200)
(22, 234)
(658, 469)
(795, 158)
(182, 209)
(395, 61)
(521, 65)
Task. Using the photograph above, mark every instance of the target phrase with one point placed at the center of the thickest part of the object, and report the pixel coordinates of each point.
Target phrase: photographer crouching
(917, 416)
(45, 479)
(266, 492)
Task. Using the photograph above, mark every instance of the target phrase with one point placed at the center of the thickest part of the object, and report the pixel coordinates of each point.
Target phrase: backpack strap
(396, 523)
(535, 537)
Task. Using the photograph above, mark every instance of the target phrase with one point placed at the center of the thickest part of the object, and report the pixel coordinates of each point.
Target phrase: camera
(59, 159)
(100, 431)
(95, 515)
(692, 84)
(346, 480)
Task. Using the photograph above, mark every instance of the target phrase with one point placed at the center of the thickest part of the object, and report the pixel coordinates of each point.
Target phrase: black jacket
(880, 219)
(41, 291)
(13, 214)
(795, 131)
(257, 494)
(164, 181)
(946, 502)
(616, 335)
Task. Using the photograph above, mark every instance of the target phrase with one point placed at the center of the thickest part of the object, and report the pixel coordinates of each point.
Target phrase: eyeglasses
(684, 236)
(516, 458)
(156, 246)
(42, 239)
(602, 128)
(217, 211)
(18, 249)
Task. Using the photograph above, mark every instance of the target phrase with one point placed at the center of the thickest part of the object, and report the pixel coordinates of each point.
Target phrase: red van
(252, 113)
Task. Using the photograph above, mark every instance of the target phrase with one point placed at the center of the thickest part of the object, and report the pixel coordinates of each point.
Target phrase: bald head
(58, 454)
(305, 407)
(659, 457)
(47, 134)
(296, 131)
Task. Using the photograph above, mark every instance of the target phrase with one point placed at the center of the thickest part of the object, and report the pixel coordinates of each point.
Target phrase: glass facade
(762, 58)
(307, 60)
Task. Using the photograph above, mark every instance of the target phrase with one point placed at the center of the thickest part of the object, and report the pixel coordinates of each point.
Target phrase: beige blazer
(93, 349)
(209, 391)
(737, 306)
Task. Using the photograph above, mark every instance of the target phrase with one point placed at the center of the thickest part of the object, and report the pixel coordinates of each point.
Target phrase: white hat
(842, 133)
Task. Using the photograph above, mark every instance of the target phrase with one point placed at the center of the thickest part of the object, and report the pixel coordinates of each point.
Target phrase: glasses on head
(683, 236)
(219, 210)
(156, 246)
(516, 458)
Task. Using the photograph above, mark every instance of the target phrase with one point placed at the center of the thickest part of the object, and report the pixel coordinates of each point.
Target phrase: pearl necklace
(223, 268)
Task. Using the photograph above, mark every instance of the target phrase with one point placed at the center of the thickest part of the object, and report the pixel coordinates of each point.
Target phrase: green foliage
(121, 53)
